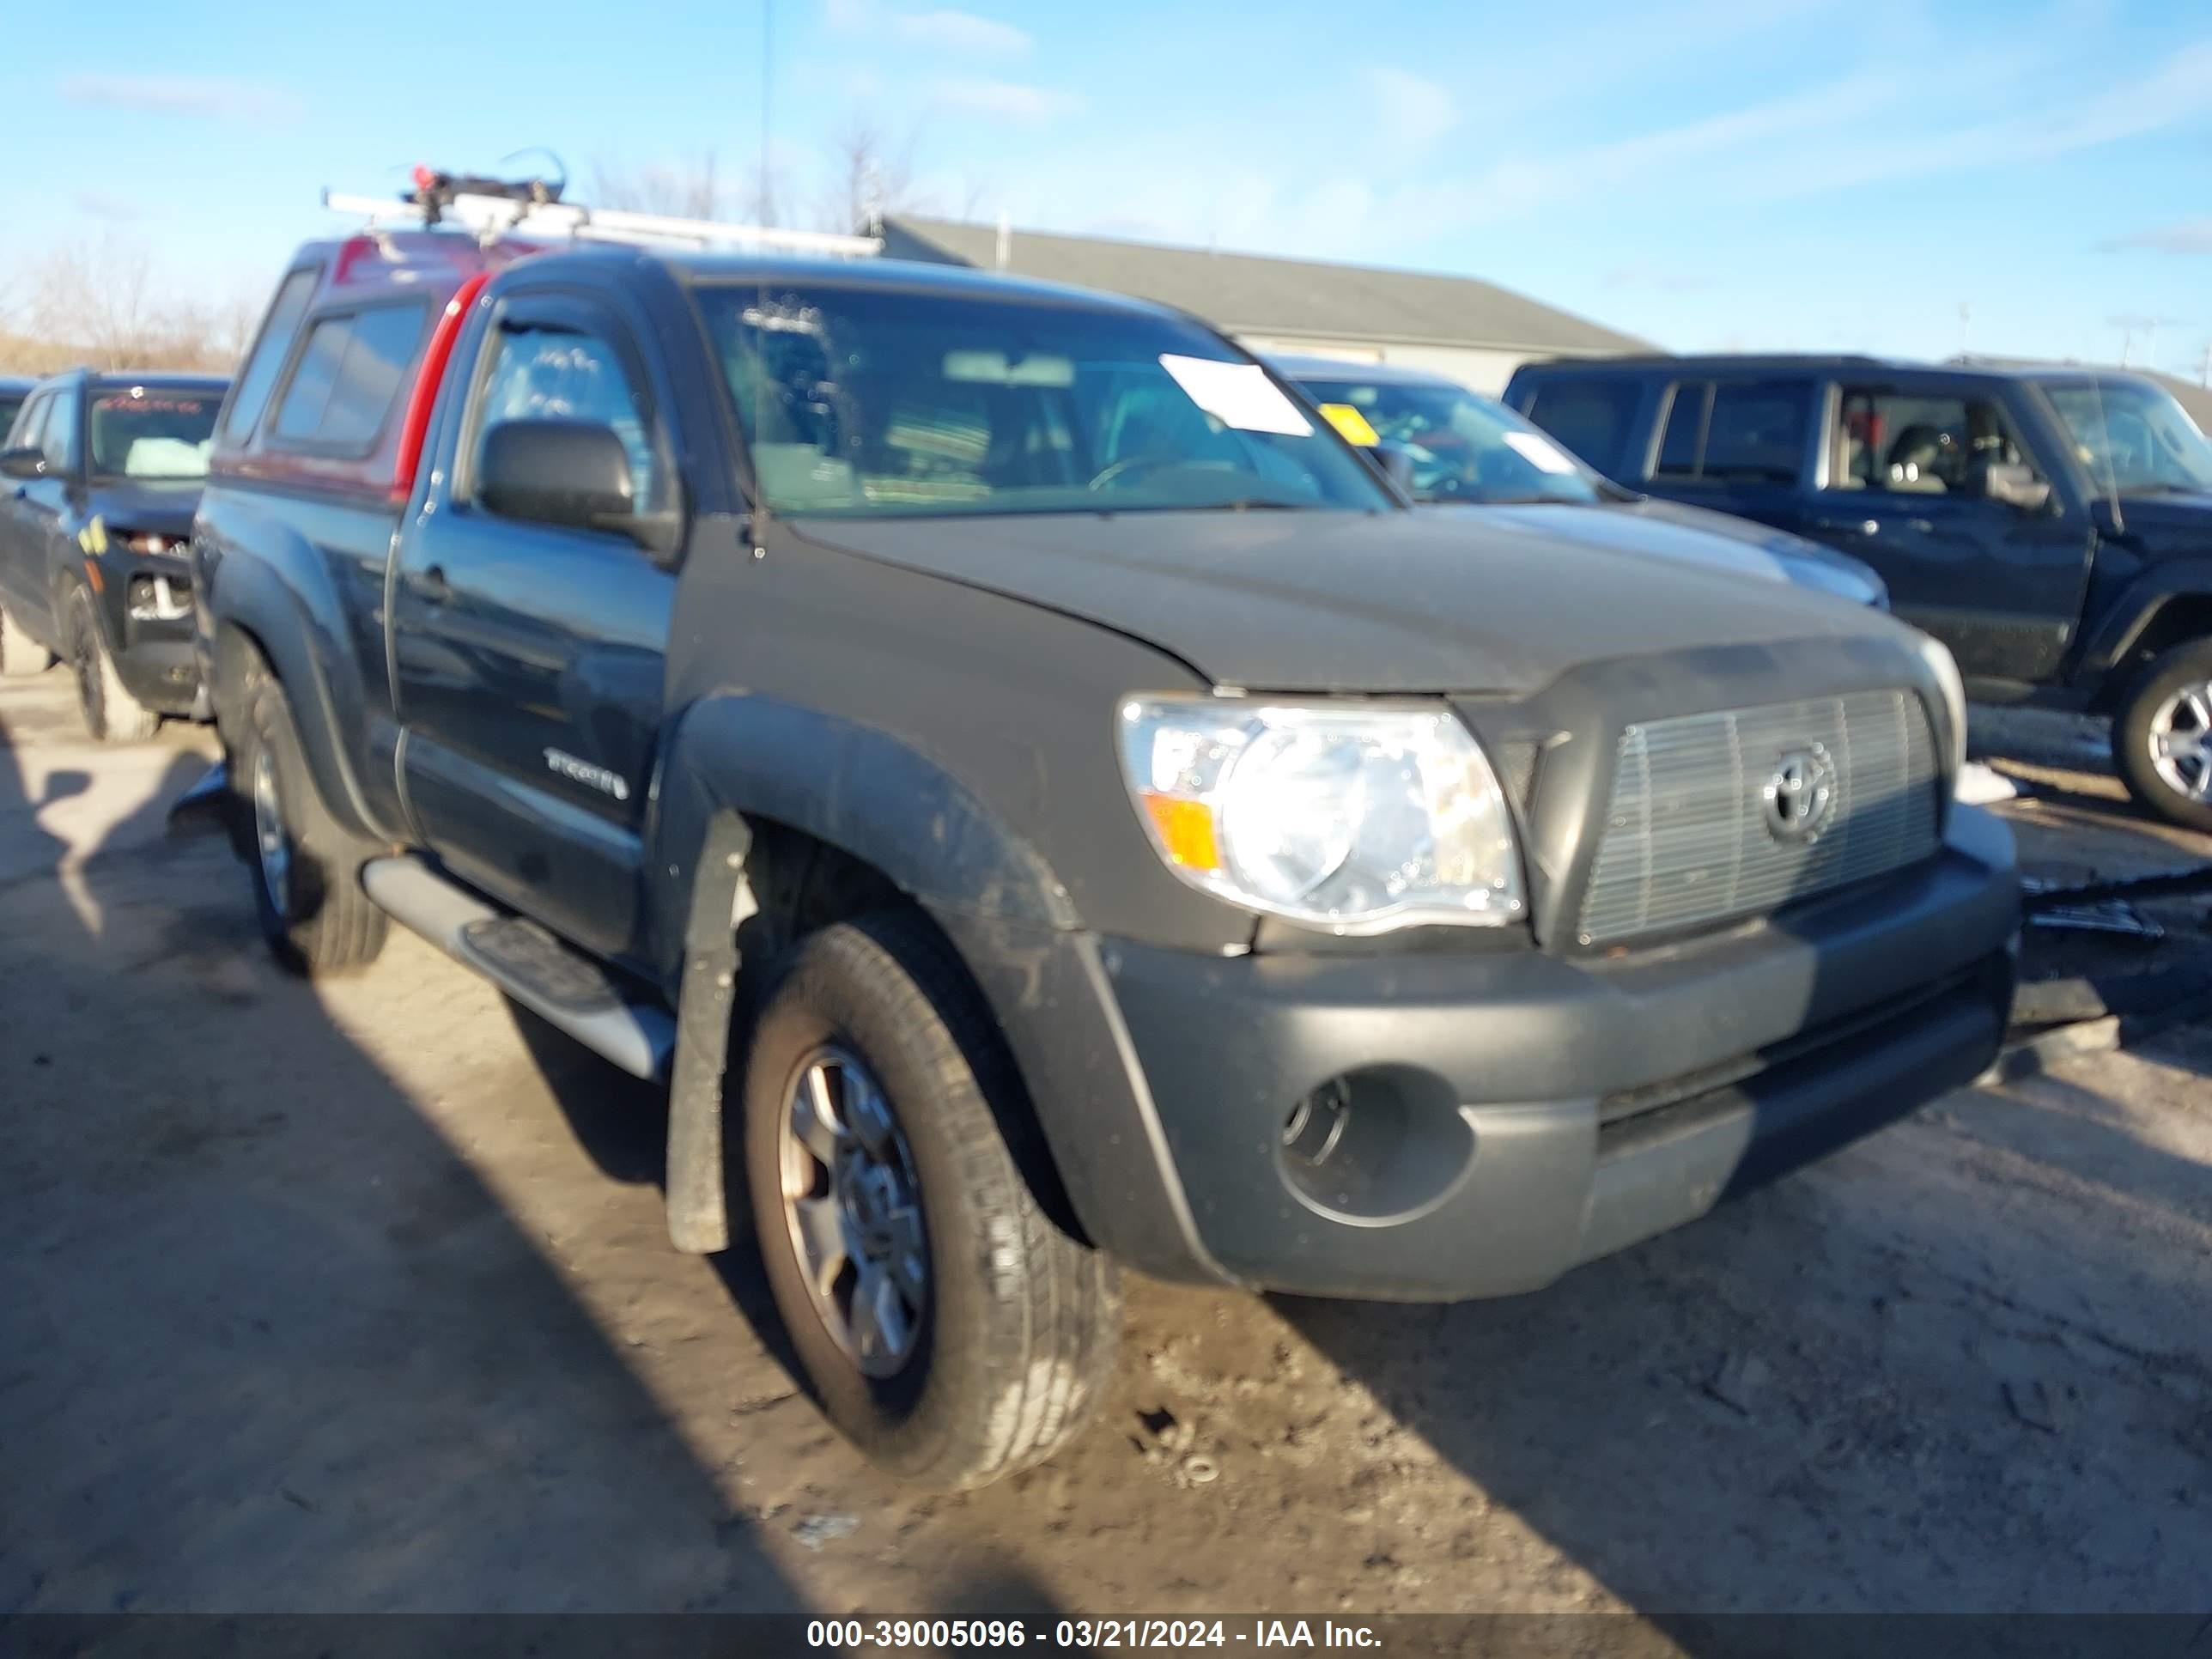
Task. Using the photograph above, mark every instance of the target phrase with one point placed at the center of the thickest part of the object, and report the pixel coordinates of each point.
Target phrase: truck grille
(1689, 835)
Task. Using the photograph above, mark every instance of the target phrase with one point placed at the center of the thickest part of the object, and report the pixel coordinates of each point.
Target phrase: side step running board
(552, 979)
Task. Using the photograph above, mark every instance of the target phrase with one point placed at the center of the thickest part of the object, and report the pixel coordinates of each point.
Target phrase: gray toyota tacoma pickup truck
(1047, 801)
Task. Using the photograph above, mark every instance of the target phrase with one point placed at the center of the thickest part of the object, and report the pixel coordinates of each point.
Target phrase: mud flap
(697, 1195)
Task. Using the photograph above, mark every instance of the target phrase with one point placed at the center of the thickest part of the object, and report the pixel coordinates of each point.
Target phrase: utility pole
(2204, 367)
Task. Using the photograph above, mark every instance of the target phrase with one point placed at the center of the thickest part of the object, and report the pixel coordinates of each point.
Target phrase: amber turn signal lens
(1186, 830)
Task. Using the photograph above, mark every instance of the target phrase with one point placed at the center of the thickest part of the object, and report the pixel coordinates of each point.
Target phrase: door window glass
(1917, 444)
(1684, 439)
(1735, 432)
(545, 373)
(26, 433)
(60, 439)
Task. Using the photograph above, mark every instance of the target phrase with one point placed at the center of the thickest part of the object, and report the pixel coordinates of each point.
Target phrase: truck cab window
(542, 372)
(1918, 445)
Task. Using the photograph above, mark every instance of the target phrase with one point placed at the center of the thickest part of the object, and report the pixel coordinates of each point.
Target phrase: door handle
(432, 584)
(1849, 526)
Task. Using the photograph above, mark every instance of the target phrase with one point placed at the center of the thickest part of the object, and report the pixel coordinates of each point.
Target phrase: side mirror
(24, 461)
(572, 473)
(2015, 484)
(1397, 464)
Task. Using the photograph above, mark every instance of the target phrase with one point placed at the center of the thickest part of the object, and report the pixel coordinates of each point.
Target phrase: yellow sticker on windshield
(1352, 424)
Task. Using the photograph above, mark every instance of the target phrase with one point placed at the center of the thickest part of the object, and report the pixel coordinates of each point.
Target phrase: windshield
(10, 402)
(1463, 448)
(150, 430)
(2132, 437)
(859, 402)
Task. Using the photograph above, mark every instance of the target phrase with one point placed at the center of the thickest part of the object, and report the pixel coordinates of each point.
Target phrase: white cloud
(1012, 100)
(961, 31)
(2189, 236)
(197, 97)
(102, 204)
(943, 30)
(1411, 113)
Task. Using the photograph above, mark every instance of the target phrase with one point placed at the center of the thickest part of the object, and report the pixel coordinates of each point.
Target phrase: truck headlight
(1951, 746)
(1359, 819)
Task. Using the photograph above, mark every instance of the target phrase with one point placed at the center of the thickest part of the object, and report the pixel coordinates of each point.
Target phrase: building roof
(2196, 400)
(1251, 294)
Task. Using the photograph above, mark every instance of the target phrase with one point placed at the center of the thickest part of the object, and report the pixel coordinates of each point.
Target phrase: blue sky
(1880, 174)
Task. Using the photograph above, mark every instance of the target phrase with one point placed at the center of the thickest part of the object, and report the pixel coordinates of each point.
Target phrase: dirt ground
(357, 1297)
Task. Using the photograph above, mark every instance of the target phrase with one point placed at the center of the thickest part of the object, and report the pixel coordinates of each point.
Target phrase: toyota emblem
(1799, 796)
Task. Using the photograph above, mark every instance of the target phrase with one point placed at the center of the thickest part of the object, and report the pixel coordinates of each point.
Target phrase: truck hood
(1669, 530)
(1381, 602)
(2178, 523)
(135, 504)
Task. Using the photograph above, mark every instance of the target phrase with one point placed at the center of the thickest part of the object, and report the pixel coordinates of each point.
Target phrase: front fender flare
(850, 787)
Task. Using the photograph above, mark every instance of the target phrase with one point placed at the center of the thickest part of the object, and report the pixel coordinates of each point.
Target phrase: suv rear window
(350, 376)
(1590, 417)
(1735, 432)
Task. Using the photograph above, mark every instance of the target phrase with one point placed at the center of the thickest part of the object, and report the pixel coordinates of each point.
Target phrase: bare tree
(871, 172)
(688, 189)
(104, 303)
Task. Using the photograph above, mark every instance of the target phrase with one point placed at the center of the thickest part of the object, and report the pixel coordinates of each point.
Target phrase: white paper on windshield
(1237, 394)
(1539, 452)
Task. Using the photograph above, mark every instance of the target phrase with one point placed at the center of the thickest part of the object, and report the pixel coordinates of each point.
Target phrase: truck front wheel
(2162, 736)
(945, 1324)
(306, 871)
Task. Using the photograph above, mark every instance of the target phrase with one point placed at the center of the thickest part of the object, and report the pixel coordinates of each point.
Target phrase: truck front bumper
(1475, 1123)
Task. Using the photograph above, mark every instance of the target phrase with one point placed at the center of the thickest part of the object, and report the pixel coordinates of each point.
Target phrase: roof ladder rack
(489, 217)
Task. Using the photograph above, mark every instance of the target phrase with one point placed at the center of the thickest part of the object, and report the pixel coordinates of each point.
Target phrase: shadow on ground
(270, 1344)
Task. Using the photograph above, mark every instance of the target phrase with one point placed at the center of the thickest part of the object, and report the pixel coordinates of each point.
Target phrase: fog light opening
(1317, 1123)
(1379, 1145)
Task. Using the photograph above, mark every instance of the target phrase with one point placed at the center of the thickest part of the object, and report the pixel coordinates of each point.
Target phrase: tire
(111, 714)
(1016, 1340)
(2173, 692)
(305, 869)
(21, 656)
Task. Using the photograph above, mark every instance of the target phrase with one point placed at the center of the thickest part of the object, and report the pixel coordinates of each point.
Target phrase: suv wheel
(112, 714)
(2162, 736)
(946, 1325)
(306, 869)
(21, 654)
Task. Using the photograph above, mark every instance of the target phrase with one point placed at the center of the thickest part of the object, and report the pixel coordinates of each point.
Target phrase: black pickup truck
(2052, 527)
(1089, 818)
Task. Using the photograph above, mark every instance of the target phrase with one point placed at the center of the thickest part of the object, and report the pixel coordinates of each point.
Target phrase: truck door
(2000, 584)
(529, 658)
